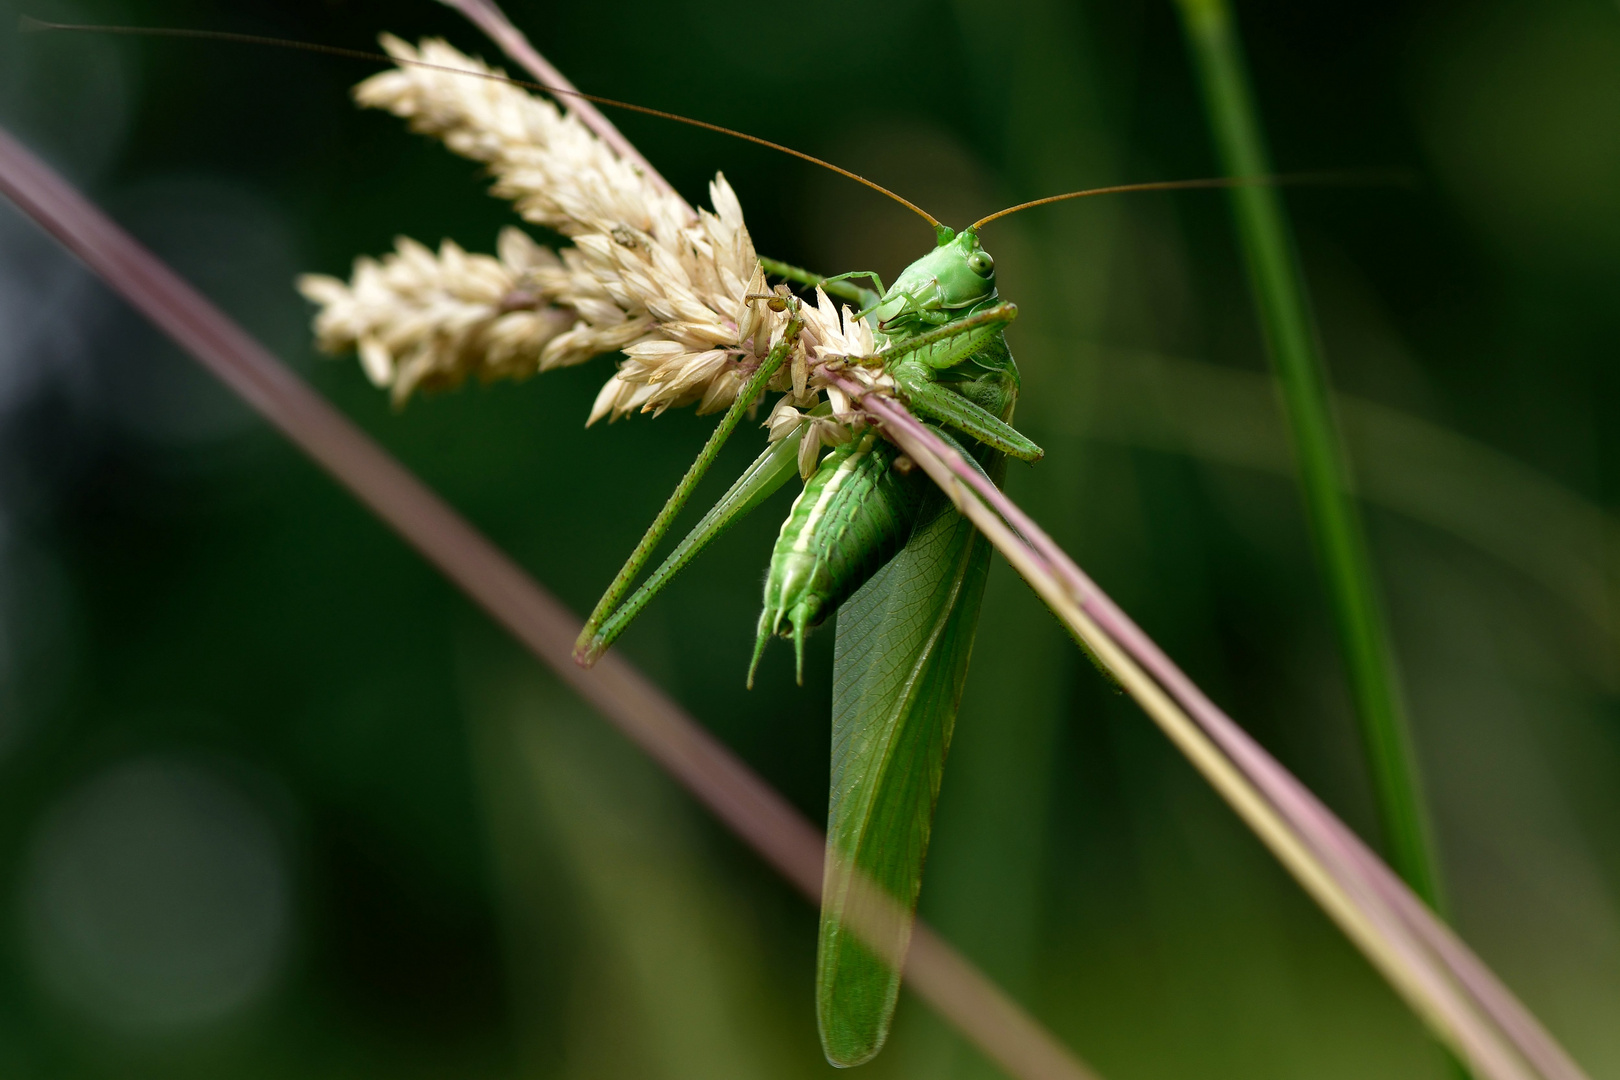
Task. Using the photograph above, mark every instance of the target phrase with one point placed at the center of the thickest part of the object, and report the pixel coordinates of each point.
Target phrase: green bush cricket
(868, 534)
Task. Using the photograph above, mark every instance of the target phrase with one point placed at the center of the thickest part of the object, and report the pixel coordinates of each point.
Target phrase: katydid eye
(981, 263)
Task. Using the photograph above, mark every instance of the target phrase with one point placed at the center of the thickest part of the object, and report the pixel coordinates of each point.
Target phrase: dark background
(275, 801)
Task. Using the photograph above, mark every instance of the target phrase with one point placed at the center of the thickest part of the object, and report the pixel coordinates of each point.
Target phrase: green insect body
(857, 509)
(905, 637)
(855, 513)
(876, 542)
(899, 667)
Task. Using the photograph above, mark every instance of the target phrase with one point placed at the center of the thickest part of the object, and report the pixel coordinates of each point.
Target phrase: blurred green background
(275, 801)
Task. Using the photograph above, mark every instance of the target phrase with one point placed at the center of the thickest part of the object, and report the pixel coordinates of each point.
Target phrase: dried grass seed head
(830, 335)
(641, 277)
(420, 319)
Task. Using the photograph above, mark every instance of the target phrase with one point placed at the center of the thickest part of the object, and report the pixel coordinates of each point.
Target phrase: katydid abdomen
(854, 515)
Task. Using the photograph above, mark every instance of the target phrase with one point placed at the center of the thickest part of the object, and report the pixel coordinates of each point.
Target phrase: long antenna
(29, 24)
(1289, 179)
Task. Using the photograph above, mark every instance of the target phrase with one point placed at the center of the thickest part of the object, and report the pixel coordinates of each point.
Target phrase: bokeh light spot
(157, 897)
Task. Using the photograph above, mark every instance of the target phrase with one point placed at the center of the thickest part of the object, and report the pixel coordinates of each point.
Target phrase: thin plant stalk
(1442, 981)
(1324, 475)
(733, 792)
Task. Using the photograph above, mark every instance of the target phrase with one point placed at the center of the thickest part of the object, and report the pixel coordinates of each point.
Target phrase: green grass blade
(899, 666)
(1335, 522)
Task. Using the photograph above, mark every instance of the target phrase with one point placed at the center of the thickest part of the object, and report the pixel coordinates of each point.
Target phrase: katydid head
(948, 282)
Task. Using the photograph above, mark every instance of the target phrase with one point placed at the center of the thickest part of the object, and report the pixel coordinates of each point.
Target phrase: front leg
(928, 398)
(948, 345)
(925, 311)
(868, 298)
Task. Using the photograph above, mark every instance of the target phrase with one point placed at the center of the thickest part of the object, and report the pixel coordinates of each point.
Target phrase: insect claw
(768, 624)
(759, 650)
(798, 651)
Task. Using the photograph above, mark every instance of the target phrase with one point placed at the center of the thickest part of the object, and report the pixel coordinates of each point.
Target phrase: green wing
(900, 662)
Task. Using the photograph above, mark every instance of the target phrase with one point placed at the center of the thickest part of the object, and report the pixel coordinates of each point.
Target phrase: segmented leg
(918, 363)
(586, 649)
(911, 306)
(838, 286)
(928, 398)
(758, 482)
(949, 344)
(870, 297)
